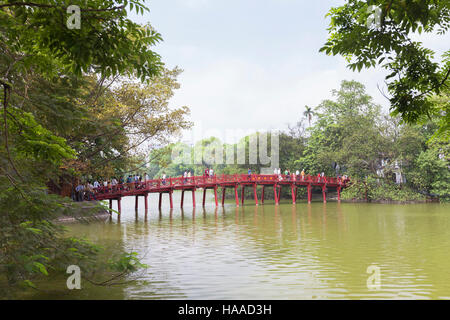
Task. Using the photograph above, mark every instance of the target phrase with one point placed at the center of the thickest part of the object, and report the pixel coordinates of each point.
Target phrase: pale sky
(253, 64)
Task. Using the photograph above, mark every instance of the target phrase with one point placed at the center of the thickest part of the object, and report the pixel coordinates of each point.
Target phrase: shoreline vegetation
(384, 158)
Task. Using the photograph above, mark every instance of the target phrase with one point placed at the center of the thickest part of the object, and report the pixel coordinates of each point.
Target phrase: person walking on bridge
(303, 174)
(130, 182)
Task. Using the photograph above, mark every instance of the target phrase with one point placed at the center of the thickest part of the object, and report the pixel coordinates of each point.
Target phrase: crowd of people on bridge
(89, 189)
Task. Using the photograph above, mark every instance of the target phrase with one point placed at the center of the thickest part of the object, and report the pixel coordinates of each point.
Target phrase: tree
(414, 75)
(308, 113)
(57, 107)
(347, 132)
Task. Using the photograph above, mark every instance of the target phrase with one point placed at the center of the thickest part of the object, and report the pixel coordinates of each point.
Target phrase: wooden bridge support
(293, 193)
(308, 188)
(146, 202)
(182, 198)
(136, 203)
(204, 197)
(324, 194)
(236, 196)
(215, 195)
(160, 201)
(275, 194)
(339, 193)
(110, 206)
(170, 198)
(255, 194)
(223, 196)
(193, 198)
(262, 195)
(119, 208)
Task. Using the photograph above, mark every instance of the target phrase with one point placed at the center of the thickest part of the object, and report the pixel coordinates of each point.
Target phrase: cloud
(238, 94)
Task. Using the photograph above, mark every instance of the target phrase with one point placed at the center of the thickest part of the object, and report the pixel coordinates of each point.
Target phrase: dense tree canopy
(74, 102)
(379, 32)
(350, 135)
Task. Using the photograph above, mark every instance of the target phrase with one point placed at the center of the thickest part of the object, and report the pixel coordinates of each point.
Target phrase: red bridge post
(293, 193)
(275, 194)
(215, 195)
(262, 195)
(255, 194)
(146, 202)
(236, 195)
(160, 200)
(309, 192)
(223, 196)
(182, 198)
(193, 198)
(119, 208)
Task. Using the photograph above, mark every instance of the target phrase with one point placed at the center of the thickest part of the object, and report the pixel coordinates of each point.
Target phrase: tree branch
(39, 5)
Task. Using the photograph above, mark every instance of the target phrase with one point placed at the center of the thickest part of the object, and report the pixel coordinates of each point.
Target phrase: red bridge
(169, 185)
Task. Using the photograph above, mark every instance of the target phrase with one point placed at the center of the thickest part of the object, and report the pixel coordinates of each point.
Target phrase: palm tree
(308, 113)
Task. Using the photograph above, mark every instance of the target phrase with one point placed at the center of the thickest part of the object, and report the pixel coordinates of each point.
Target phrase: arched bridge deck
(169, 185)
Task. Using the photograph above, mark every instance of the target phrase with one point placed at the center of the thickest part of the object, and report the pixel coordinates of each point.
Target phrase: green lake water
(316, 251)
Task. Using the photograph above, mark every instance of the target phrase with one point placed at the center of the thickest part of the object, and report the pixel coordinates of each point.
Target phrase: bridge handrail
(171, 182)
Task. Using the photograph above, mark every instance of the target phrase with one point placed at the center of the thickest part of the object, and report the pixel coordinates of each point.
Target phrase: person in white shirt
(146, 177)
(211, 172)
(275, 171)
(113, 182)
(96, 184)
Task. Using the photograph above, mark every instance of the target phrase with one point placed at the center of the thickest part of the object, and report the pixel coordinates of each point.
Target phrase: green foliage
(414, 75)
(433, 174)
(128, 262)
(107, 42)
(374, 188)
(73, 101)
